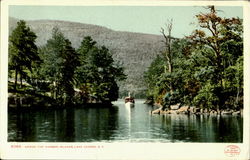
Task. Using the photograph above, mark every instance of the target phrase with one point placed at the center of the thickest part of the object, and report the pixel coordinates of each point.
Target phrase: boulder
(236, 113)
(226, 112)
(185, 112)
(201, 110)
(174, 112)
(183, 109)
(171, 112)
(168, 112)
(163, 112)
(205, 110)
(196, 110)
(175, 107)
(213, 112)
(157, 111)
(219, 111)
(192, 109)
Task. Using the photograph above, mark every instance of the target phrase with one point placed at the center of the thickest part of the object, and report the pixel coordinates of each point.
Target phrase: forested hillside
(135, 51)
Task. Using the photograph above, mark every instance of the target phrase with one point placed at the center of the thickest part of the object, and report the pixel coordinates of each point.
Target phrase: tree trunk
(170, 69)
(15, 79)
(168, 52)
(21, 80)
(54, 90)
(169, 55)
(237, 98)
(170, 65)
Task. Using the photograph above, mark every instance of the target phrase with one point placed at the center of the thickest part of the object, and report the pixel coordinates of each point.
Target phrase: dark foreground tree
(23, 53)
(60, 61)
(97, 74)
(220, 44)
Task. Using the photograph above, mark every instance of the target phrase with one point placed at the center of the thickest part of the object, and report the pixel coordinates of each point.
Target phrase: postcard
(125, 79)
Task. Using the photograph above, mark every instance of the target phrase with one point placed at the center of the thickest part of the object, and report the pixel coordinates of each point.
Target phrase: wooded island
(57, 74)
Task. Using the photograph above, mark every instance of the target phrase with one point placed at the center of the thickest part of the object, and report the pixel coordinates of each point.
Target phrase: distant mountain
(135, 50)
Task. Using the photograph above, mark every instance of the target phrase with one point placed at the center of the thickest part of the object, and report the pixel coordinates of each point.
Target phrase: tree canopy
(59, 63)
(98, 73)
(23, 53)
(86, 75)
(208, 66)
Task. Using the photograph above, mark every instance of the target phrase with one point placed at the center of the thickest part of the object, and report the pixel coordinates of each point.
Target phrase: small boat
(129, 101)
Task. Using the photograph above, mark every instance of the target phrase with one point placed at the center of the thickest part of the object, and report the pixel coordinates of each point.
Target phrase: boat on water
(129, 101)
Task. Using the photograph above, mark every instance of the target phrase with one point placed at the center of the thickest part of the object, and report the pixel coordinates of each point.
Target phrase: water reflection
(200, 128)
(95, 124)
(117, 123)
(67, 125)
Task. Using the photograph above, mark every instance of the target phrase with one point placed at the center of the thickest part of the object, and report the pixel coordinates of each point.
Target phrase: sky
(142, 19)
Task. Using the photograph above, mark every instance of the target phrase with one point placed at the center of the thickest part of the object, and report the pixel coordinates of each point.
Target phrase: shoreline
(58, 107)
(191, 110)
(17, 101)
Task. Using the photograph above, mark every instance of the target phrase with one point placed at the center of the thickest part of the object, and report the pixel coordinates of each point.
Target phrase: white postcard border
(119, 150)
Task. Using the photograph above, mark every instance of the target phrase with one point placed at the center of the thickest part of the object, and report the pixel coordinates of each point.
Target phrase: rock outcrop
(177, 109)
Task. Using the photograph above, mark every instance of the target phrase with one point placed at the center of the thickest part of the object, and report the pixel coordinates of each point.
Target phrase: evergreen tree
(97, 75)
(69, 64)
(60, 61)
(23, 53)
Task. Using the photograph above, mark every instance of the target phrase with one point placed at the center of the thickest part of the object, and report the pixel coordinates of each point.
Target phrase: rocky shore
(28, 100)
(34, 101)
(178, 109)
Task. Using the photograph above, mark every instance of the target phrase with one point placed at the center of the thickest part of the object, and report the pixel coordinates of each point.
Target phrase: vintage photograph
(116, 73)
(126, 74)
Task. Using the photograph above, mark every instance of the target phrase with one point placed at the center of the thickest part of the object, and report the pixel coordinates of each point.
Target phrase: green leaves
(60, 62)
(98, 70)
(207, 97)
(208, 66)
(216, 66)
(23, 52)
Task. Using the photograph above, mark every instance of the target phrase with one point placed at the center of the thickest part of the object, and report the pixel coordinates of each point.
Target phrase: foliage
(152, 76)
(59, 63)
(208, 66)
(97, 75)
(58, 70)
(23, 55)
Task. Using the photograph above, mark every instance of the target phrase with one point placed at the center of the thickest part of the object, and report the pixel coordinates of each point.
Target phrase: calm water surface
(118, 124)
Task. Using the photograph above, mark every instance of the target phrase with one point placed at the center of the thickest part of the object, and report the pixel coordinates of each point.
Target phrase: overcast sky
(144, 19)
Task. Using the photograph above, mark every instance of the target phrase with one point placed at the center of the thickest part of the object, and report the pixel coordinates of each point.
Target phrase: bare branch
(163, 33)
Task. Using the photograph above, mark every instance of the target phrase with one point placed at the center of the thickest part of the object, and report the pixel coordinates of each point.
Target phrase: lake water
(119, 124)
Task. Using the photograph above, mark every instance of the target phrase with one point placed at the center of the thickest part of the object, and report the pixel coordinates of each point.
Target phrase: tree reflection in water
(118, 124)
